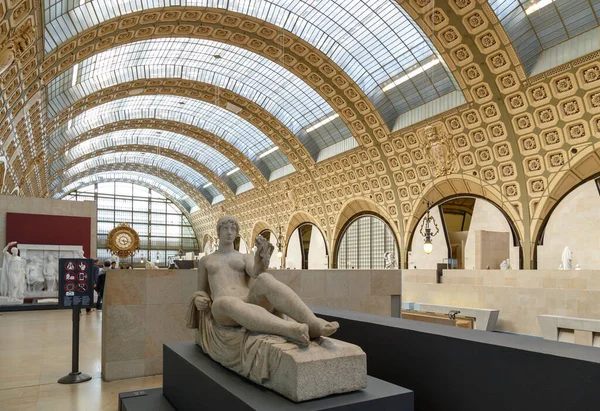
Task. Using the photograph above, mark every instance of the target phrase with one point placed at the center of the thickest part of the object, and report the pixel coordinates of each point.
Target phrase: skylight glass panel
(537, 25)
(221, 122)
(361, 36)
(170, 165)
(188, 146)
(277, 90)
(147, 180)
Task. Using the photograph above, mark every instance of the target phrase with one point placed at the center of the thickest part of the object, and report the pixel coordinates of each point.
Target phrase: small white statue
(51, 273)
(389, 262)
(567, 259)
(505, 264)
(34, 278)
(79, 254)
(577, 267)
(14, 272)
(150, 265)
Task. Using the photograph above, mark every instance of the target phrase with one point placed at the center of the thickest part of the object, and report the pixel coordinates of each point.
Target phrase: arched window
(306, 248)
(364, 243)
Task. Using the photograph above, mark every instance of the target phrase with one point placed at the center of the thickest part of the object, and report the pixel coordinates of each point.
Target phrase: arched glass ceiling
(201, 152)
(269, 85)
(536, 25)
(374, 41)
(181, 170)
(238, 132)
(150, 181)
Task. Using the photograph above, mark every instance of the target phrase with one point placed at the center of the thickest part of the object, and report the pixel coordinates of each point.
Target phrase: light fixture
(75, 71)
(415, 72)
(322, 122)
(142, 260)
(157, 259)
(269, 151)
(426, 231)
(535, 7)
(280, 245)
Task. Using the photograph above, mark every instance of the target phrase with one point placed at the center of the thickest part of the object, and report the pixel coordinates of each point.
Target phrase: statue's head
(430, 132)
(34, 260)
(228, 228)
(14, 251)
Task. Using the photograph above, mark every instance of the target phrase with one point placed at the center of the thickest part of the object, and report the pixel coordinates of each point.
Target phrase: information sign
(76, 283)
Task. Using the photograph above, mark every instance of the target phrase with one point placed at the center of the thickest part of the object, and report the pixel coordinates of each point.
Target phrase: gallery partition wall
(161, 225)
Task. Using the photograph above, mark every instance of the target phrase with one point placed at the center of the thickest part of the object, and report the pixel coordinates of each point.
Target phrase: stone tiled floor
(35, 351)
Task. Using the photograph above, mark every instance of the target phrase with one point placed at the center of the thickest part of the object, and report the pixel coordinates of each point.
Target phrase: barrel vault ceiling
(285, 112)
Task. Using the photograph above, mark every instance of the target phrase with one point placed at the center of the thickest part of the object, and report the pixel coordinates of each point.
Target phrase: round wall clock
(123, 241)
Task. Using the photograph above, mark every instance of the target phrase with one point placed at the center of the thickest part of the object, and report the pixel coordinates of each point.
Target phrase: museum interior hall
(300, 205)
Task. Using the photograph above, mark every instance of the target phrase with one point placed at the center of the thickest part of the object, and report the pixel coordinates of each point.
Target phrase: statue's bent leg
(285, 300)
(231, 311)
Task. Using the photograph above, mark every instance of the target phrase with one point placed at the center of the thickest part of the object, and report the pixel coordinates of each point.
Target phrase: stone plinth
(142, 309)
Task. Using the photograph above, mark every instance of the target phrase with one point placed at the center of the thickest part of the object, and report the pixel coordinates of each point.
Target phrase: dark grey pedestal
(192, 381)
(149, 400)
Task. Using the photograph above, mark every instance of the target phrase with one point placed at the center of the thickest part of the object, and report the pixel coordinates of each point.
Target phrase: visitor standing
(100, 285)
(96, 269)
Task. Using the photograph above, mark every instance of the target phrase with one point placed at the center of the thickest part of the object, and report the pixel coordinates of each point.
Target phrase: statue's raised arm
(262, 257)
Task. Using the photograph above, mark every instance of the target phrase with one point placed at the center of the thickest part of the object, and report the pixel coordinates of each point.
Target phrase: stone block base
(193, 381)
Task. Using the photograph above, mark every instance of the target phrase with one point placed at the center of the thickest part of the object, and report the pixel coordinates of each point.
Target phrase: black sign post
(75, 290)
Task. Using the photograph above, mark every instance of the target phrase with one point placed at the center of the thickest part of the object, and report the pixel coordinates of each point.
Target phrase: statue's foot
(323, 328)
(300, 335)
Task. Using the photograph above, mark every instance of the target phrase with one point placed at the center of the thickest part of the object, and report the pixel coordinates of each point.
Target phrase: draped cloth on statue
(252, 355)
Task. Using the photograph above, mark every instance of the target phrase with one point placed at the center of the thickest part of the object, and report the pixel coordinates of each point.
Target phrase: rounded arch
(249, 111)
(214, 179)
(195, 133)
(296, 219)
(307, 258)
(183, 185)
(268, 40)
(357, 206)
(258, 228)
(516, 240)
(95, 178)
(443, 188)
(580, 169)
(348, 222)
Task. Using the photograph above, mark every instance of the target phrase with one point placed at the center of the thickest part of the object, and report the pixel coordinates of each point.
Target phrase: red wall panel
(49, 229)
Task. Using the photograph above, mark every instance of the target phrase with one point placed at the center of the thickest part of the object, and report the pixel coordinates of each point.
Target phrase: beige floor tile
(35, 351)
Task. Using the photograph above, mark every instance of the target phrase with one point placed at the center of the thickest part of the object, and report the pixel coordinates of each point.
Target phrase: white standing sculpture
(567, 259)
(34, 278)
(14, 272)
(51, 273)
(389, 262)
(150, 265)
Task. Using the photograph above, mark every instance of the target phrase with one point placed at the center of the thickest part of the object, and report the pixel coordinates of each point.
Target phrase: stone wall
(367, 291)
(520, 295)
(143, 309)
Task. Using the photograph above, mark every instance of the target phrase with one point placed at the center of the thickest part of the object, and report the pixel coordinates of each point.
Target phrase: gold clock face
(123, 241)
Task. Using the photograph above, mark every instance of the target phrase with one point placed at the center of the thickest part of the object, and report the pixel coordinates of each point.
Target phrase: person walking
(100, 284)
(96, 275)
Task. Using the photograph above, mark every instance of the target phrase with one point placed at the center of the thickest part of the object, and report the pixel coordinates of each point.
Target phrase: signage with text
(75, 285)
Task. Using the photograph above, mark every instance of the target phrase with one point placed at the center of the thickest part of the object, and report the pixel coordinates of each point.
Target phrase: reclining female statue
(258, 307)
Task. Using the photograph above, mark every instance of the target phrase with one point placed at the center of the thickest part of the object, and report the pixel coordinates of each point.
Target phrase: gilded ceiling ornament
(123, 241)
(592, 74)
(439, 151)
(537, 186)
(15, 45)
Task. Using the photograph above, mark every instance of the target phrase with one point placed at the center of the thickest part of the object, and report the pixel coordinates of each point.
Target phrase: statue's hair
(228, 219)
